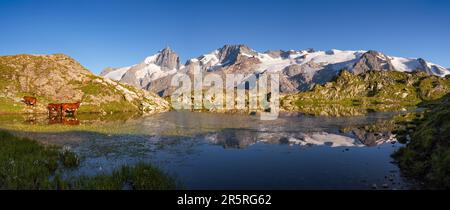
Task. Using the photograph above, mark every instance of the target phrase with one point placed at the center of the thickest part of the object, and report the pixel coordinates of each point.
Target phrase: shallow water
(226, 151)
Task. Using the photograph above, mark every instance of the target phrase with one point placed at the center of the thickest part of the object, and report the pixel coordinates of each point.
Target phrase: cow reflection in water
(52, 120)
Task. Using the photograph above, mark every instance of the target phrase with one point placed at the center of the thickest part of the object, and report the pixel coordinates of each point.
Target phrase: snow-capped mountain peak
(165, 62)
(299, 69)
(222, 57)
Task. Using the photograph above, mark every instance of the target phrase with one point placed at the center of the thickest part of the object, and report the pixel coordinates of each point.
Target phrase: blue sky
(100, 33)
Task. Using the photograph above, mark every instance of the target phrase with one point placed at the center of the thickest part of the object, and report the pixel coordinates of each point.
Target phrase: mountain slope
(60, 79)
(299, 70)
(165, 62)
(350, 94)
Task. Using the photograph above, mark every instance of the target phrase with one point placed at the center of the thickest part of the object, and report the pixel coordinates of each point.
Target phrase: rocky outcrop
(431, 68)
(232, 54)
(131, 78)
(168, 59)
(349, 94)
(297, 77)
(60, 79)
(372, 60)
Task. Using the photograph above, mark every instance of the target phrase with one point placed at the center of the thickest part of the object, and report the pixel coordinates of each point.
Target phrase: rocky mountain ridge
(299, 69)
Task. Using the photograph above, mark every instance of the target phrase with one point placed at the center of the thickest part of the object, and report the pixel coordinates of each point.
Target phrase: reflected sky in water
(233, 151)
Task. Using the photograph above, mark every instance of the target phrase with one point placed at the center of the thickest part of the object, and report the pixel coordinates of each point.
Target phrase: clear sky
(100, 33)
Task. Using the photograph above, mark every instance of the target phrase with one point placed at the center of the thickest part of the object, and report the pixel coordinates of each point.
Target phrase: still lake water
(228, 151)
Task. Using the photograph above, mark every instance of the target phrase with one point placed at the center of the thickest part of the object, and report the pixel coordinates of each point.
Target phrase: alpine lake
(224, 151)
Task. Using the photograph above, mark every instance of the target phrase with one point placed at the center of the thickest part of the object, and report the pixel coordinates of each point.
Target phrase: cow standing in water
(70, 108)
(54, 108)
(29, 100)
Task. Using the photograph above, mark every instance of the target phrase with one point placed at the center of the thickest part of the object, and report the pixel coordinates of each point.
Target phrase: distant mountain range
(299, 69)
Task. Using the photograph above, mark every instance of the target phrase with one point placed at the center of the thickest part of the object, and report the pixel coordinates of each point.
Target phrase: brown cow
(52, 108)
(70, 107)
(29, 100)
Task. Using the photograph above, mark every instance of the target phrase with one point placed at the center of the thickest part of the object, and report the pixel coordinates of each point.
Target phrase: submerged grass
(139, 177)
(27, 164)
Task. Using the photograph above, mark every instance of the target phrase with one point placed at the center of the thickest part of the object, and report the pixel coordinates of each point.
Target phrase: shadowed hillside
(426, 156)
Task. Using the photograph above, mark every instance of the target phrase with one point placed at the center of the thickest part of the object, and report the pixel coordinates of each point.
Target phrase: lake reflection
(228, 151)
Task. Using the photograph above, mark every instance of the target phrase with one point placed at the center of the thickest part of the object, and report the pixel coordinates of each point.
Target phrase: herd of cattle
(55, 109)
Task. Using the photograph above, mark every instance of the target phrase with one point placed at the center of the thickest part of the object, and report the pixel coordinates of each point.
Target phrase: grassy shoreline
(27, 164)
(426, 156)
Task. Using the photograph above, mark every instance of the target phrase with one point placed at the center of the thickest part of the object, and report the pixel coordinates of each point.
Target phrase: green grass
(374, 90)
(9, 106)
(27, 164)
(139, 177)
(95, 88)
(426, 156)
